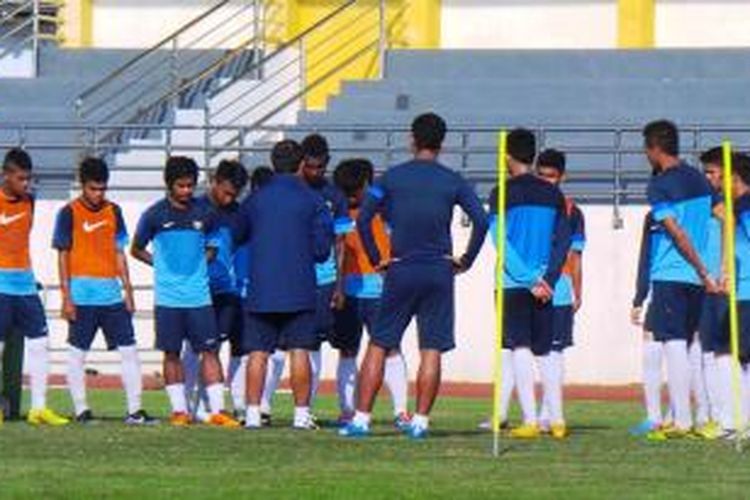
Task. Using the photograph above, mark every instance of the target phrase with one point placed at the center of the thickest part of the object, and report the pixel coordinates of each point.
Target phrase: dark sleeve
(469, 202)
(374, 200)
(642, 282)
(322, 227)
(62, 237)
(342, 222)
(144, 231)
(121, 230)
(577, 231)
(560, 244)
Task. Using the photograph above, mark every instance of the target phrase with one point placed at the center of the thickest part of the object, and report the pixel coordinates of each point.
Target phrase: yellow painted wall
(635, 24)
(346, 48)
(78, 23)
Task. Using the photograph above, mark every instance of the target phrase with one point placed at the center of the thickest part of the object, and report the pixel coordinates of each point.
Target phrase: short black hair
(17, 158)
(93, 169)
(315, 146)
(179, 167)
(552, 158)
(741, 167)
(286, 157)
(522, 145)
(262, 175)
(713, 155)
(353, 174)
(429, 131)
(662, 134)
(232, 171)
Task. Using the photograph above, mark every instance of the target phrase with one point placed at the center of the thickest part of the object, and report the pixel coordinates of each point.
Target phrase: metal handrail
(29, 29)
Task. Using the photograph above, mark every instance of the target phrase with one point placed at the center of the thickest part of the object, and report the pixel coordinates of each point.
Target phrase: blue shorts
(351, 321)
(114, 320)
(743, 313)
(324, 314)
(197, 325)
(527, 322)
(23, 314)
(421, 289)
(229, 320)
(711, 323)
(267, 332)
(562, 328)
(675, 310)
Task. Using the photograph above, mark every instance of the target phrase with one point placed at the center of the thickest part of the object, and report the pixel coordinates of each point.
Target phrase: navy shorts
(527, 322)
(743, 313)
(562, 328)
(23, 314)
(351, 321)
(197, 325)
(268, 332)
(114, 320)
(712, 336)
(421, 289)
(324, 313)
(229, 320)
(675, 310)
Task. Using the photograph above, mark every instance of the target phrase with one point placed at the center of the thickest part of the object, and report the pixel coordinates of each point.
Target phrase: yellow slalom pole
(731, 268)
(502, 164)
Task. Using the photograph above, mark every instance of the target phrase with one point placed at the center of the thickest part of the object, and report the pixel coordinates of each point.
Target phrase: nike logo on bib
(90, 228)
(6, 220)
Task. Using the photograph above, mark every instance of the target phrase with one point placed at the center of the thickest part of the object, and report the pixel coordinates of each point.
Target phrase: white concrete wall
(607, 347)
(516, 24)
(702, 23)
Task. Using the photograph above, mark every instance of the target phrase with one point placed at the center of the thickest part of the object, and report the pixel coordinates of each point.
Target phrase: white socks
(551, 367)
(301, 416)
(652, 356)
(523, 368)
(316, 360)
(346, 383)
(132, 381)
(252, 416)
(176, 394)
(191, 367)
(273, 377)
(678, 379)
(215, 393)
(726, 400)
(76, 378)
(711, 376)
(420, 421)
(508, 383)
(397, 383)
(698, 384)
(38, 358)
(362, 419)
(237, 381)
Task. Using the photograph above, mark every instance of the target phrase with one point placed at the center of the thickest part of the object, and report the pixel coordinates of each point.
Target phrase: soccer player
(226, 185)
(566, 300)
(537, 242)
(178, 229)
(289, 229)
(90, 237)
(363, 287)
(681, 204)
(21, 310)
(417, 200)
(330, 294)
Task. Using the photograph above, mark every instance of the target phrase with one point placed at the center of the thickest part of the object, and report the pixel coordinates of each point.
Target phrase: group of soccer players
(301, 261)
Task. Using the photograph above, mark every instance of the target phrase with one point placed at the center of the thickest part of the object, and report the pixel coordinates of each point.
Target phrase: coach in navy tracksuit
(417, 200)
(289, 230)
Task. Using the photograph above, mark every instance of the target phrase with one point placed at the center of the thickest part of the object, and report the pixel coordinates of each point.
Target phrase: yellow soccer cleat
(45, 416)
(559, 431)
(526, 431)
(180, 419)
(710, 431)
(222, 420)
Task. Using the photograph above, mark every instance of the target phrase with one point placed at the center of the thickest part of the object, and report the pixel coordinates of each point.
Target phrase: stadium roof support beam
(635, 24)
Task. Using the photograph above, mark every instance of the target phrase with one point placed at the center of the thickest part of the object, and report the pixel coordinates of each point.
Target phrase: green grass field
(599, 460)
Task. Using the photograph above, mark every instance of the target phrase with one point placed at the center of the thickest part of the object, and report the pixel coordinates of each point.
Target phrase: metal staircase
(25, 24)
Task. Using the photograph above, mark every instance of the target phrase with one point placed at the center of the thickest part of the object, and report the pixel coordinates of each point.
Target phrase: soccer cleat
(402, 422)
(417, 432)
(558, 431)
(669, 433)
(222, 419)
(265, 420)
(140, 418)
(85, 417)
(307, 424)
(355, 430)
(644, 428)
(180, 419)
(486, 425)
(345, 418)
(526, 431)
(239, 416)
(45, 416)
(709, 431)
